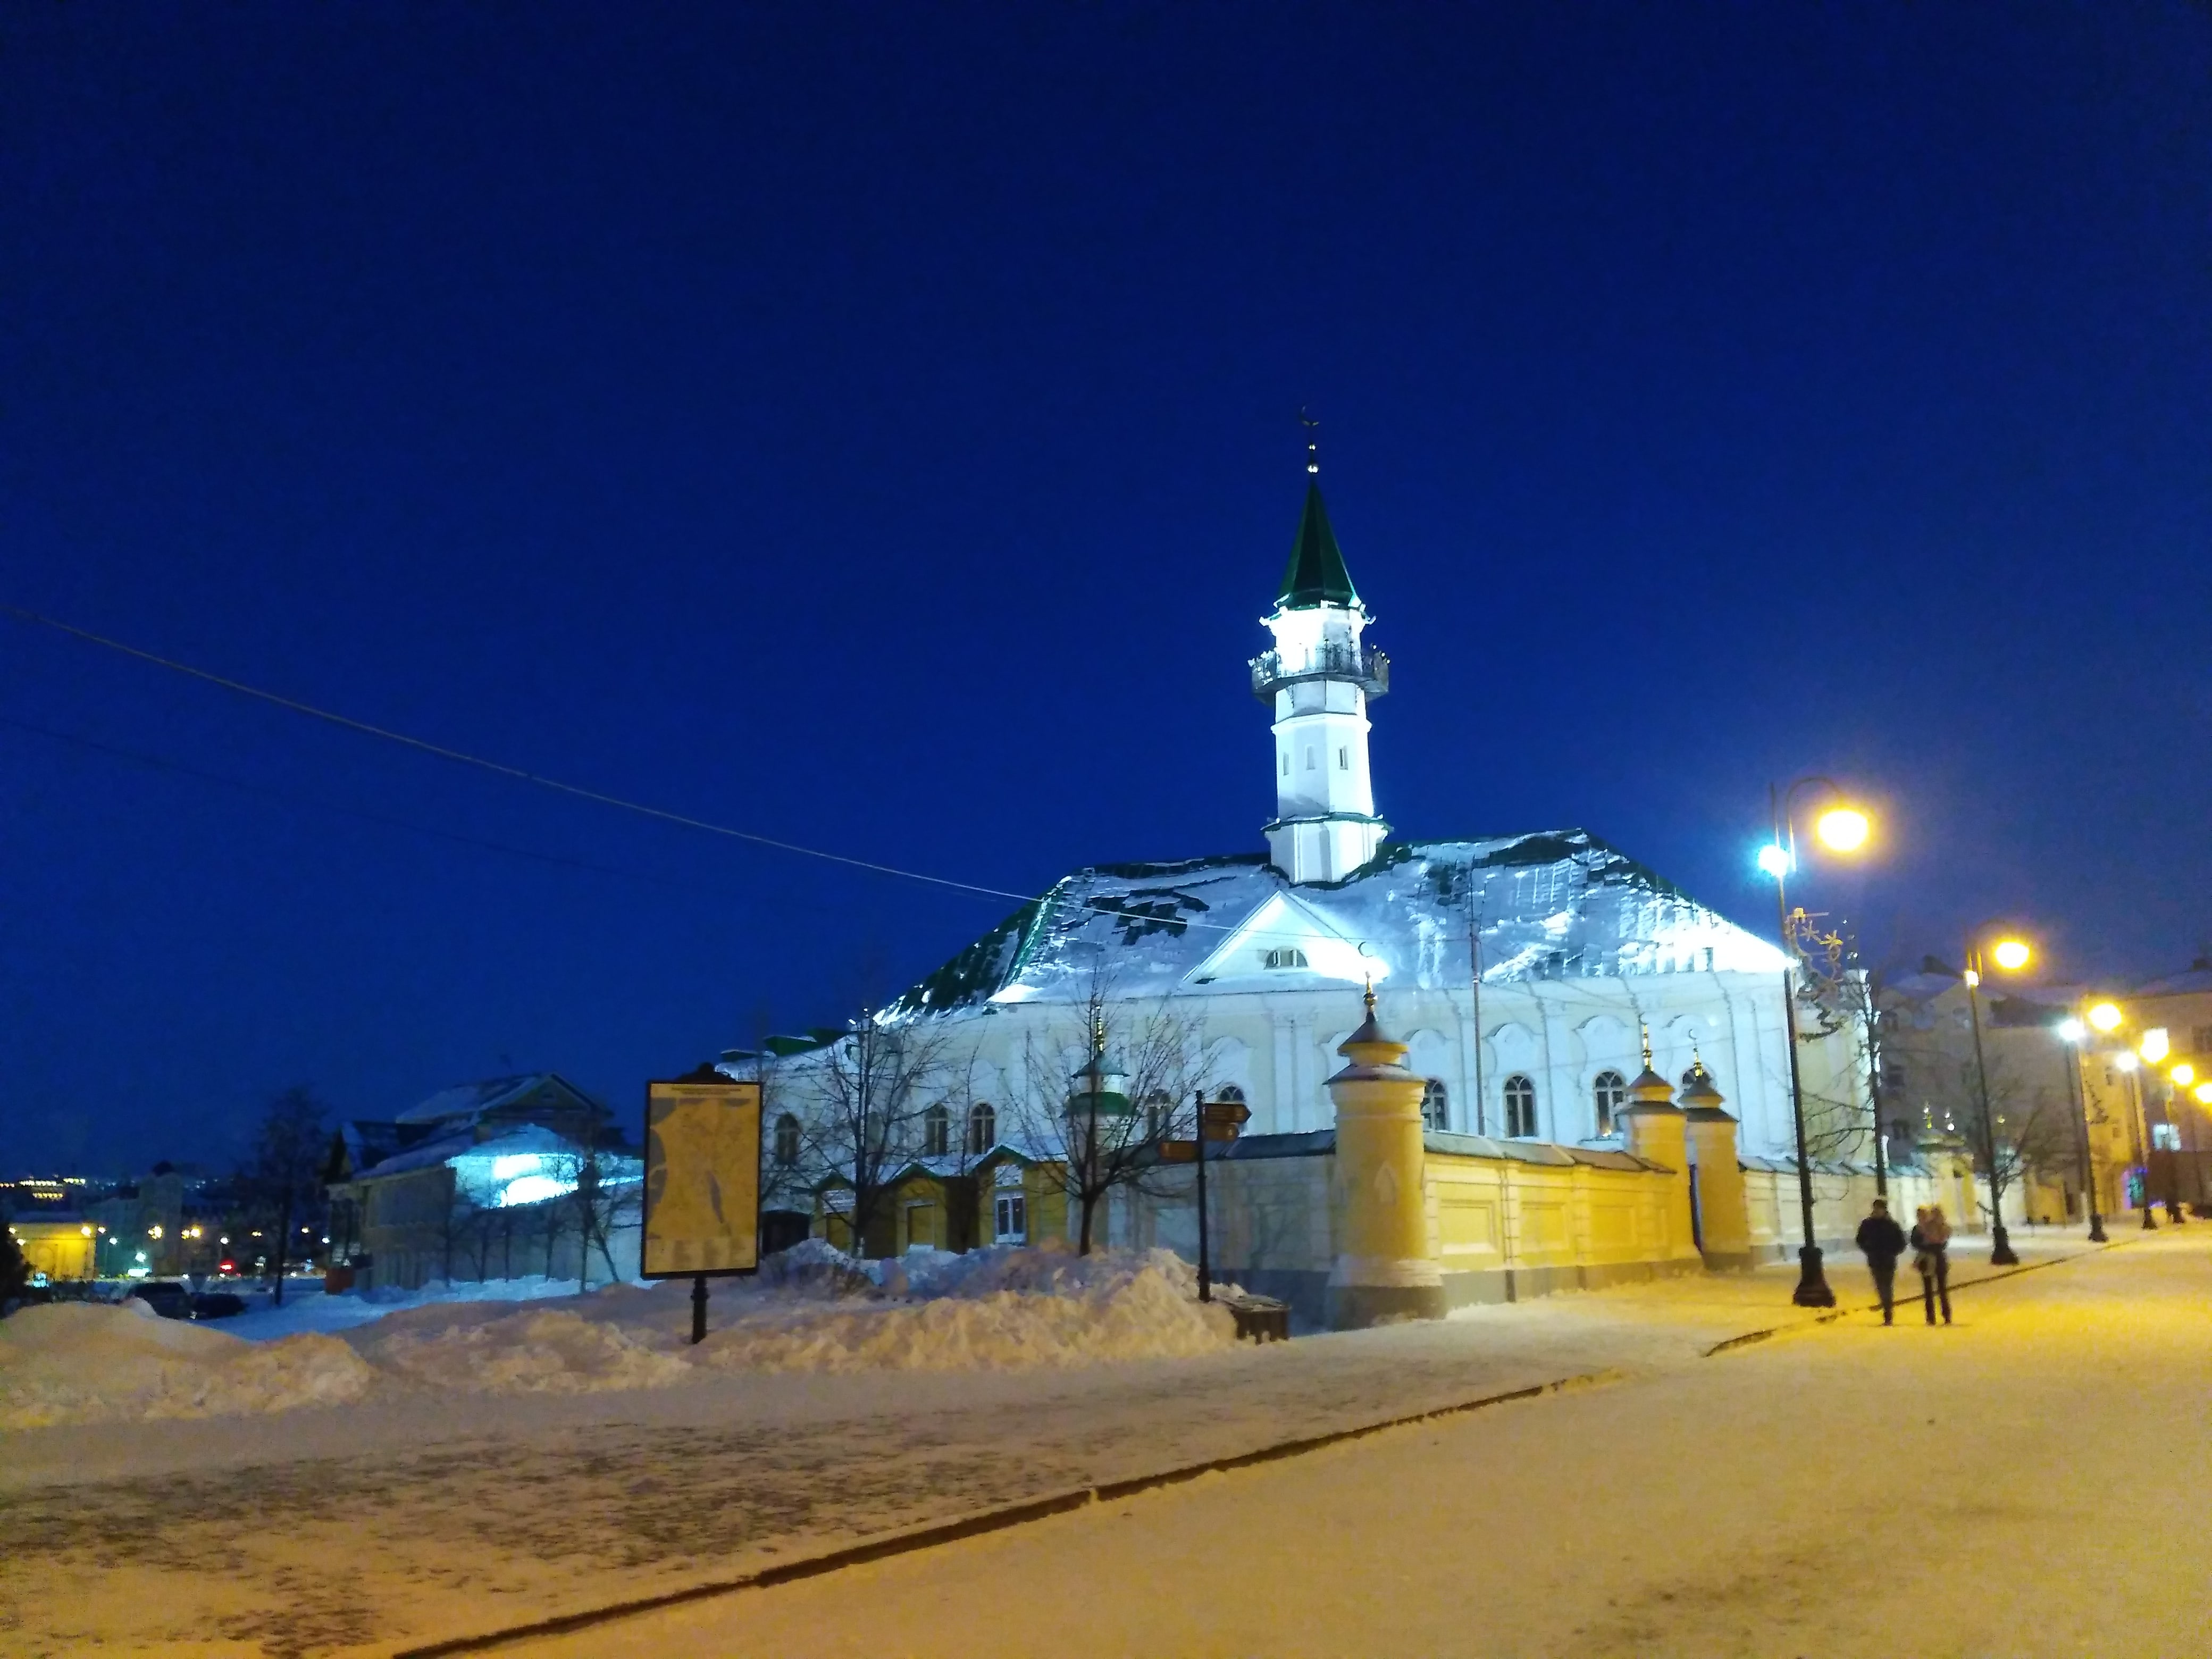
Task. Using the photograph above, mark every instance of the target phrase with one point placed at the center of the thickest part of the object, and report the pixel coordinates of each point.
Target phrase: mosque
(1533, 982)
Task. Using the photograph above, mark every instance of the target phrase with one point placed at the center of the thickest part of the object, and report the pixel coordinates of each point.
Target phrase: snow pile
(83, 1362)
(994, 1309)
(540, 1351)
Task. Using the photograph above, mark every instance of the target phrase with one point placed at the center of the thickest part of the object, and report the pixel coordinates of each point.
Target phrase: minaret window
(1609, 1092)
(1520, 1107)
(1310, 760)
(1343, 759)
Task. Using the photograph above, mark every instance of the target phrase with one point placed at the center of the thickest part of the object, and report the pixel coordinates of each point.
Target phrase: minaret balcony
(1364, 666)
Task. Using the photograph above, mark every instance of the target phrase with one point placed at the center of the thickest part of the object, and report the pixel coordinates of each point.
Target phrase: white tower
(1319, 678)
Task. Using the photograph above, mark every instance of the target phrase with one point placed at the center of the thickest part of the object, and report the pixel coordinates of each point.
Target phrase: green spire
(1317, 575)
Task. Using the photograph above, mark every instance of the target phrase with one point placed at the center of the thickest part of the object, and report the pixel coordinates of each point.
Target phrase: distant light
(1843, 828)
(2011, 954)
(2204, 1093)
(2184, 1074)
(1774, 860)
(2125, 1060)
(1973, 978)
(535, 1189)
(2072, 1030)
(2107, 1016)
(2155, 1047)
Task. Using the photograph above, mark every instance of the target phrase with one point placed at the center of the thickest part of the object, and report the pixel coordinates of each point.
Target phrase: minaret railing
(1364, 666)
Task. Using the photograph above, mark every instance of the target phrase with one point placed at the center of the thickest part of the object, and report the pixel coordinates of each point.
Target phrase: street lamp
(2072, 1033)
(2127, 1061)
(2011, 955)
(1843, 829)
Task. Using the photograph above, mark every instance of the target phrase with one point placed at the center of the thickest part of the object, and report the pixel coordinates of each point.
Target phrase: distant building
(493, 1180)
(60, 1244)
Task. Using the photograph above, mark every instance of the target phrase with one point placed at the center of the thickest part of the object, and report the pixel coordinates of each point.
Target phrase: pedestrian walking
(1881, 1241)
(1931, 1244)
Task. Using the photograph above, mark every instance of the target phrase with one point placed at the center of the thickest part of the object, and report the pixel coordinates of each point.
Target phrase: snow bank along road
(1852, 1490)
(406, 1520)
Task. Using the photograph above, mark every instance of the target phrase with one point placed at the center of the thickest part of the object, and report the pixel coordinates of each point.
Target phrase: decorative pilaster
(1383, 1271)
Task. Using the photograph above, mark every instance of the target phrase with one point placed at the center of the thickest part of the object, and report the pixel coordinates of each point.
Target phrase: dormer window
(1286, 956)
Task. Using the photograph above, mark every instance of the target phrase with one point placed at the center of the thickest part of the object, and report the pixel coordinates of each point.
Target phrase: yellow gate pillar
(1651, 1124)
(1723, 1217)
(1383, 1271)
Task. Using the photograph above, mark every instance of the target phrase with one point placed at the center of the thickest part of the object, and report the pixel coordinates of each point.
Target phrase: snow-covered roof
(473, 1100)
(1557, 904)
(2196, 980)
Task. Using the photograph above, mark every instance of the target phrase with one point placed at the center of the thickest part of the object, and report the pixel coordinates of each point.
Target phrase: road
(2033, 1480)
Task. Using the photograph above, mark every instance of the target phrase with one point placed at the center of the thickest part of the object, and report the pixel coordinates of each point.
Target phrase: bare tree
(1097, 1125)
(282, 1182)
(870, 1088)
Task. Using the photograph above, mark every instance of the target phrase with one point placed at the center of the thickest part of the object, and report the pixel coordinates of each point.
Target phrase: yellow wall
(59, 1249)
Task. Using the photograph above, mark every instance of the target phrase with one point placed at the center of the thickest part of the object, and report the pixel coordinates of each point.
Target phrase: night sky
(876, 427)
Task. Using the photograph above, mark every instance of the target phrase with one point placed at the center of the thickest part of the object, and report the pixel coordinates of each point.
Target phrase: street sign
(702, 1179)
(1224, 1118)
(1178, 1151)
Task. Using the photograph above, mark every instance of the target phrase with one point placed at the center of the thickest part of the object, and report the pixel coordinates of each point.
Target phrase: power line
(498, 768)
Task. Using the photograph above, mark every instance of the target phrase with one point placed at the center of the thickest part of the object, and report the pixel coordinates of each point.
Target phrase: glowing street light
(2072, 1030)
(1842, 829)
(2155, 1046)
(2204, 1093)
(2106, 1016)
(2184, 1074)
(2010, 954)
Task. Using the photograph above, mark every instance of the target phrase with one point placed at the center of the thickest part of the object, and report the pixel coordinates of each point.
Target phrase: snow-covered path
(1847, 1491)
(407, 1520)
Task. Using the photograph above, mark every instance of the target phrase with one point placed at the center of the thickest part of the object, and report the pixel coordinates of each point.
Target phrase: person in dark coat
(1931, 1243)
(1881, 1241)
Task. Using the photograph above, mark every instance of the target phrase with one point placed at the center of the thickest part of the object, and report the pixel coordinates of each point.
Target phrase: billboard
(702, 1145)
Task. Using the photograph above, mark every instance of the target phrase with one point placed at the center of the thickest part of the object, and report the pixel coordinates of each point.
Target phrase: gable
(1288, 941)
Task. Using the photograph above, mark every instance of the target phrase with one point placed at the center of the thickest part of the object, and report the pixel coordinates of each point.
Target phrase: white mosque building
(1519, 968)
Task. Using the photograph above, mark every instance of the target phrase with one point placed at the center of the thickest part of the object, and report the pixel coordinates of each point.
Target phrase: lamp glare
(1843, 828)
(2184, 1074)
(1773, 861)
(2105, 1017)
(2155, 1047)
(2011, 954)
(2072, 1030)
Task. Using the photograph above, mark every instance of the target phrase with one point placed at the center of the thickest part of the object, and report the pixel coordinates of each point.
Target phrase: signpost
(1218, 1120)
(703, 1146)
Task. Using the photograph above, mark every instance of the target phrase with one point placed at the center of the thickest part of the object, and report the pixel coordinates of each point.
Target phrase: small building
(61, 1244)
(493, 1180)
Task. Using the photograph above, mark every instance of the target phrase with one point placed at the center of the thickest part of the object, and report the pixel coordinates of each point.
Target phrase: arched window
(786, 1140)
(1520, 1106)
(1609, 1092)
(1158, 1111)
(1230, 1091)
(936, 1131)
(1435, 1104)
(983, 1128)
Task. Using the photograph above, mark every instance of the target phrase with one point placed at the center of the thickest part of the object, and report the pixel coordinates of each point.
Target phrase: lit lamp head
(1843, 828)
(2072, 1030)
(2204, 1093)
(2125, 1060)
(1773, 861)
(2155, 1045)
(2011, 954)
(2184, 1074)
(2107, 1016)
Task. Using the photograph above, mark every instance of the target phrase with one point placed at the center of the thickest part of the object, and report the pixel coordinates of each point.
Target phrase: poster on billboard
(703, 1143)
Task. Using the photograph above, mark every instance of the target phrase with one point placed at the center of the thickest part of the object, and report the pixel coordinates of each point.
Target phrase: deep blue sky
(876, 427)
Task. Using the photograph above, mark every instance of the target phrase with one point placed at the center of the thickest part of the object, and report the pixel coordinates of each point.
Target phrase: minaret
(1319, 678)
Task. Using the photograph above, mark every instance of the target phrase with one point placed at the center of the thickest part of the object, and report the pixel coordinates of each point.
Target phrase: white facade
(1325, 825)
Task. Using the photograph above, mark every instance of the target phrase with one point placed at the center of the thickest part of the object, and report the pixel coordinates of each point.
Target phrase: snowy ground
(424, 1510)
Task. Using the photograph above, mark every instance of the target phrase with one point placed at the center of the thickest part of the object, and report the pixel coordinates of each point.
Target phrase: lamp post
(2009, 954)
(2071, 1031)
(1844, 829)
(2127, 1061)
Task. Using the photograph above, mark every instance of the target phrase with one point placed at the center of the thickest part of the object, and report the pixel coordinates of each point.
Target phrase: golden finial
(1697, 1062)
(1645, 1028)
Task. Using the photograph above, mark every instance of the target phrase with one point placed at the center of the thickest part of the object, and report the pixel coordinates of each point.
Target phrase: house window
(1343, 759)
(1228, 1091)
(983, 1128)
(2200, 1040)
(1011, 1219)
(2166, 1137)
(936, 1131)
(1435, 1104)
(1288, 956)
(786, 1140)
(1609, 1093)
(1520, 1106)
